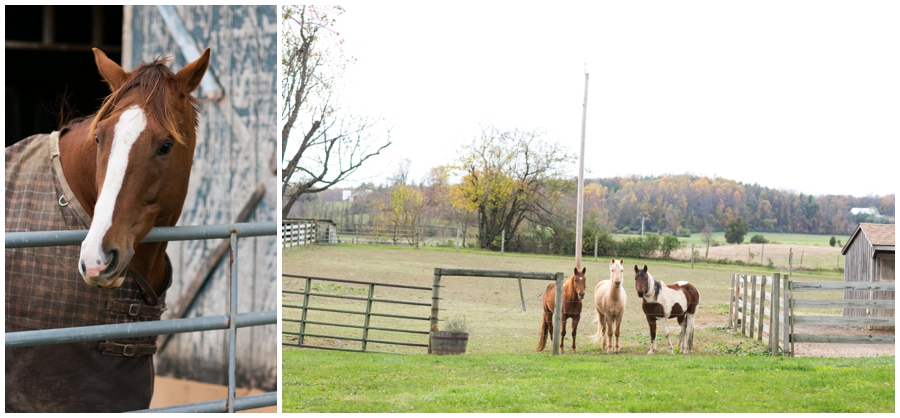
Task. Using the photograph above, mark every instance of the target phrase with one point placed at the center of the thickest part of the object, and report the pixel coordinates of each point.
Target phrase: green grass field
(323, 381)
(503, 337)
(772, 237)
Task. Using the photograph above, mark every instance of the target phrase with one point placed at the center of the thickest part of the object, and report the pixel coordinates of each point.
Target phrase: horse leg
(610, 321)
(618, 326)
(651, 321)
(665, 322)
(575, 320)
(562, 335)
(601, 329)
(688, 332)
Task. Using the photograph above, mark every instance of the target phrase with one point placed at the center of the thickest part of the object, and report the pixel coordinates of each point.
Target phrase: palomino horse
(609, 300)
(661, 302)
(573, 293)
(121, 172)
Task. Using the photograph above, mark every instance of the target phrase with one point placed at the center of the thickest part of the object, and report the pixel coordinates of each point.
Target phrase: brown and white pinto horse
(661, 302)
(573, 293)
(609, 300)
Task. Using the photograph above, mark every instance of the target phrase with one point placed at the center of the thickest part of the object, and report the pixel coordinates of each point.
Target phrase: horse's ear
(189, 77)
(636, 269)
(111, 72)
(645, 268)
(583, 270)
(613, 261)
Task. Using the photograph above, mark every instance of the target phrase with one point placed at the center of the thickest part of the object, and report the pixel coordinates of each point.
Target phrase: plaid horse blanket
(44, 290)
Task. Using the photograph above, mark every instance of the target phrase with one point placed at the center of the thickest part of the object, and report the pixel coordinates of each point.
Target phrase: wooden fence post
(692, 255)
(788, 345)
(457, 239)
(435, 303)
(744, 305)
(731, 303)
(774, 318)
(502, 241)
(762, 307)
(752, 305)
(557, 314)
(596, 242)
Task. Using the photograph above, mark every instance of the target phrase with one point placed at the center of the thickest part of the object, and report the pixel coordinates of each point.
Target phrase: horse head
(579, 282)
(145, 135)
(616, 271)
(641, 280)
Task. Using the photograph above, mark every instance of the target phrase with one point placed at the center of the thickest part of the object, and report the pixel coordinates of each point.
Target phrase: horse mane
(569, 288)
(154, 82)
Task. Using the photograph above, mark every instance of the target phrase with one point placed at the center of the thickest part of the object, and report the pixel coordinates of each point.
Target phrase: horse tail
(596, 337)
(544, 331)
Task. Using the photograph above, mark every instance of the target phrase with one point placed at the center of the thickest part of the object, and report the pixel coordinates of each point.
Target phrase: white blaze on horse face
(127, 130)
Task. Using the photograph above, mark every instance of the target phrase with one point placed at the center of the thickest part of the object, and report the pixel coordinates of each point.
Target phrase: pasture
(503, 337)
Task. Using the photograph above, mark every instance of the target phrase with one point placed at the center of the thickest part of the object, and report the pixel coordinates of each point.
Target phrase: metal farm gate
(328, 294)
(230, 321)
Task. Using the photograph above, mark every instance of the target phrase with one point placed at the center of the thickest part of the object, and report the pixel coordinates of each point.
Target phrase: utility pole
(579, 217)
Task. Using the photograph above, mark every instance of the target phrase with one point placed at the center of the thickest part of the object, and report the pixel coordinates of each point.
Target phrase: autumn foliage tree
(503, 173)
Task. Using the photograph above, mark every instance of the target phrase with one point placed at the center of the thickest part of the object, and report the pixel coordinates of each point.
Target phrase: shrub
(669, 243)
(832, 241)
(759, 239)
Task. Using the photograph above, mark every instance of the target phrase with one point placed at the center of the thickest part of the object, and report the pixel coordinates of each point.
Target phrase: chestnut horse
(661, 302)
(118, 173)
(609, 300)
(573, 293)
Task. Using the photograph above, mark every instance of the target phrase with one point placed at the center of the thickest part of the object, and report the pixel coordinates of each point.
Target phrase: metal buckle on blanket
(134, 309)
(129, 350)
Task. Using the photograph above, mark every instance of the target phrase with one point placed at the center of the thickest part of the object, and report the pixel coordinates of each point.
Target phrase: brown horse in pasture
(609, 300)
(661, 302)
(573, 293)
(118, 173)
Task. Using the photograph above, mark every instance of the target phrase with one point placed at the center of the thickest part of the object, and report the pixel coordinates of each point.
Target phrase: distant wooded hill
(674, 203)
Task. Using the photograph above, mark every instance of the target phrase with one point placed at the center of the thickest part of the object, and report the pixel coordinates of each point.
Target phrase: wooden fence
(307, 309)
(439, 273)
(766, 308)
(297, 232)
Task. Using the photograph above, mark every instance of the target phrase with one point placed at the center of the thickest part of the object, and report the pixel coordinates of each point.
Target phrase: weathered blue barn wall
(235, 154)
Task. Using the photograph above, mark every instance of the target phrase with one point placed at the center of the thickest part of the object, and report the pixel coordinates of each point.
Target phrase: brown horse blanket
(44, 290)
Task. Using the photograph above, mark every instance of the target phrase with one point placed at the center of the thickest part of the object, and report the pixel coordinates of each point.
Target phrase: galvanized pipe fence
(774, 313)
(231, 321)
(308, 292)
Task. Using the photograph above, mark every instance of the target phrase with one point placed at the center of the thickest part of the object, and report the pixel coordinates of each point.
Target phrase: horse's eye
(97, 139)
(164, 149)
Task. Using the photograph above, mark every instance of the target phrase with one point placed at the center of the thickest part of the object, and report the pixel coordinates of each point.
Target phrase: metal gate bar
(367, 314)
(231, 321)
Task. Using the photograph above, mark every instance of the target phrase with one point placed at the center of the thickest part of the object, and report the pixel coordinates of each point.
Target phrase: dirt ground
(842, 350)
(169, 391)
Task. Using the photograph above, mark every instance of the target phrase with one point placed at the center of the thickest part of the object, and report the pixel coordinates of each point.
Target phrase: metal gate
(230, 321)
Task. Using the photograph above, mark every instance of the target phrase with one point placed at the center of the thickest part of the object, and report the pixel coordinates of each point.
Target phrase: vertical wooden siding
(858, 268)
(235, 152)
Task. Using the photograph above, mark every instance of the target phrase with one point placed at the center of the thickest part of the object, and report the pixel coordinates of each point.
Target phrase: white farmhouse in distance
(868, 211)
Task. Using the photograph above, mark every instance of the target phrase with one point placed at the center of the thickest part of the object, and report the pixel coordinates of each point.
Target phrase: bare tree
(330, 145)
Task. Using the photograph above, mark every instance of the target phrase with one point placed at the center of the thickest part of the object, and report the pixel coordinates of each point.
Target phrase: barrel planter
(443, 342)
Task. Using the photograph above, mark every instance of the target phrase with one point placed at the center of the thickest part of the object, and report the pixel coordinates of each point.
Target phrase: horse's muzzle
(640, 294)
(581, 295)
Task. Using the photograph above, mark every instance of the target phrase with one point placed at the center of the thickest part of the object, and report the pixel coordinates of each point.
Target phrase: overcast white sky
(794, 95)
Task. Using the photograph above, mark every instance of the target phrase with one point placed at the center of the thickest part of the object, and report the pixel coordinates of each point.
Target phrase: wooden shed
(869, 257)
(234, 179)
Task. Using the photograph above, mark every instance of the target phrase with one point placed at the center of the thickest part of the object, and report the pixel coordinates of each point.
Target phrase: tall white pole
(579, 217)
